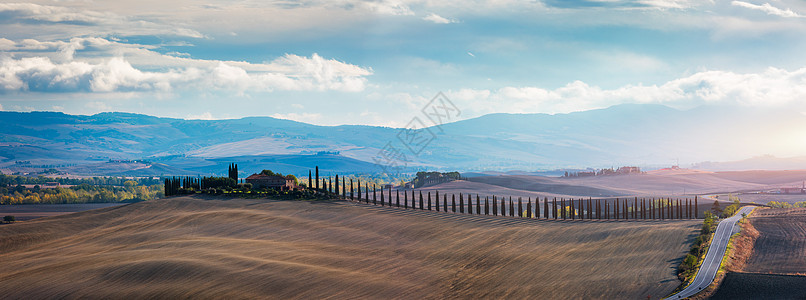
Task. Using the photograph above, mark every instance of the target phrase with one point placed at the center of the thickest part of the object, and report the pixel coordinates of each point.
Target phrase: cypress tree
(344, 189)
(478, 205)
(352, 190)
(635, 208)
(504, 206)
(374, 195)
(486, 205)
(529, 207)
(445, 202)
(317, 177)
(562, 207)
(390, 195)
(405, 200)
(310, 180)
(495, 206)
(554, 208)
(581, 208)
(469, 204)
(382, 198)
(421, 200)
(436, 200)
(696, 208)
(626, 210)
(511, 207)
(429, 200)
(358, 184)
(572, 211)
(453, 203)
(461, 203)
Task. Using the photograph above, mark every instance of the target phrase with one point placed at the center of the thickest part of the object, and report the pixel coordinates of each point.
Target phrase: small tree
(716, 210)
(9, 219)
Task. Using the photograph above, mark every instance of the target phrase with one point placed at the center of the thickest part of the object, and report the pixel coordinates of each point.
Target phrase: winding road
(710, 266)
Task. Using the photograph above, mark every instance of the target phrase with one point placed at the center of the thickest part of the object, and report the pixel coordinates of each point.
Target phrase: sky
(380, 62)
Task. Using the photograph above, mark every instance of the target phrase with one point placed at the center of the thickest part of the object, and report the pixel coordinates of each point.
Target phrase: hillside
(654, 183)
(646, 135)
(196, 248)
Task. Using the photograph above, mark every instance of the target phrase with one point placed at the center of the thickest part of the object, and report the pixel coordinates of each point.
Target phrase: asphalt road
(707, 272)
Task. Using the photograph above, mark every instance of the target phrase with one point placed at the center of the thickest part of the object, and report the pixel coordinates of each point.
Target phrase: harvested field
(761, 286)
(781, 245)
(33, 211)
(195, 248)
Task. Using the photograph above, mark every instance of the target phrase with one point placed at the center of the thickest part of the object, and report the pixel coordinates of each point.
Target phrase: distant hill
(643, 135)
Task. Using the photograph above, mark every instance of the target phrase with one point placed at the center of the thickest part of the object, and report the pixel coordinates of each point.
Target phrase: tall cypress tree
(436, 200)
(461, 203)
(374, 195)
(529, 208)
(554, 208)
(317, 177)
(453, 203)
(696, 208)
(487, 205)
(562, 207)
(503, 206)
(429, 200)
(495, 207)
(469, 204)
(511, 207)
(405, 200)
(397, 198)
(352, 190)
(382, 198)
(421, 200)
(478, 205)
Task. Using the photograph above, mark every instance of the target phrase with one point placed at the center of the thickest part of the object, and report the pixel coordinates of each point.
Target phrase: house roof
(262, 176)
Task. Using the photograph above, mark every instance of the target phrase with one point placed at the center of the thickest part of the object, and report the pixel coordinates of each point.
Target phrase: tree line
(564, 209)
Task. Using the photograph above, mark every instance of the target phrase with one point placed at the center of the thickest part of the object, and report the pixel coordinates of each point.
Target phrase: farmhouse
(269, 181)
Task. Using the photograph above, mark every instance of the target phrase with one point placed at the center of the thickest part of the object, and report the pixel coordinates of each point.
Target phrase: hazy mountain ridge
(620, 135)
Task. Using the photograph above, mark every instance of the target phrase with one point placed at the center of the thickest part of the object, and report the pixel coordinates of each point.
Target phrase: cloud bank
(62, 72)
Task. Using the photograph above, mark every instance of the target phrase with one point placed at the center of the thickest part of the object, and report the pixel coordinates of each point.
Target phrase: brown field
(781, 245)
(761, 286)
(32, 211)
(197, 248)
(654, 183)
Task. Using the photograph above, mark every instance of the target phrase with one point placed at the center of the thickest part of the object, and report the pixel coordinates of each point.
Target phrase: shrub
(9, 219)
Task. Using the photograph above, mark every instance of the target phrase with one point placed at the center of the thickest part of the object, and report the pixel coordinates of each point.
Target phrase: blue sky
(378, 62)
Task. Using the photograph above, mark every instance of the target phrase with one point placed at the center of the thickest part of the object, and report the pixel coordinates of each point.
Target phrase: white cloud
(387, 7)
(771, 88)
(767, 8)
(438, 19)
(87, 22)
(53, 68)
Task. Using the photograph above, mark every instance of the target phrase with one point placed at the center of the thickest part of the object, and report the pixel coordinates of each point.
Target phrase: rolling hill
(645, 135)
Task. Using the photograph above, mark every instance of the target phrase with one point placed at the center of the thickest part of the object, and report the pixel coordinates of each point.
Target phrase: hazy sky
(378, 62)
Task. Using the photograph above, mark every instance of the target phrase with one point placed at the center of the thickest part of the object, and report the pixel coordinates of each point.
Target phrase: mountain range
(645, 135)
